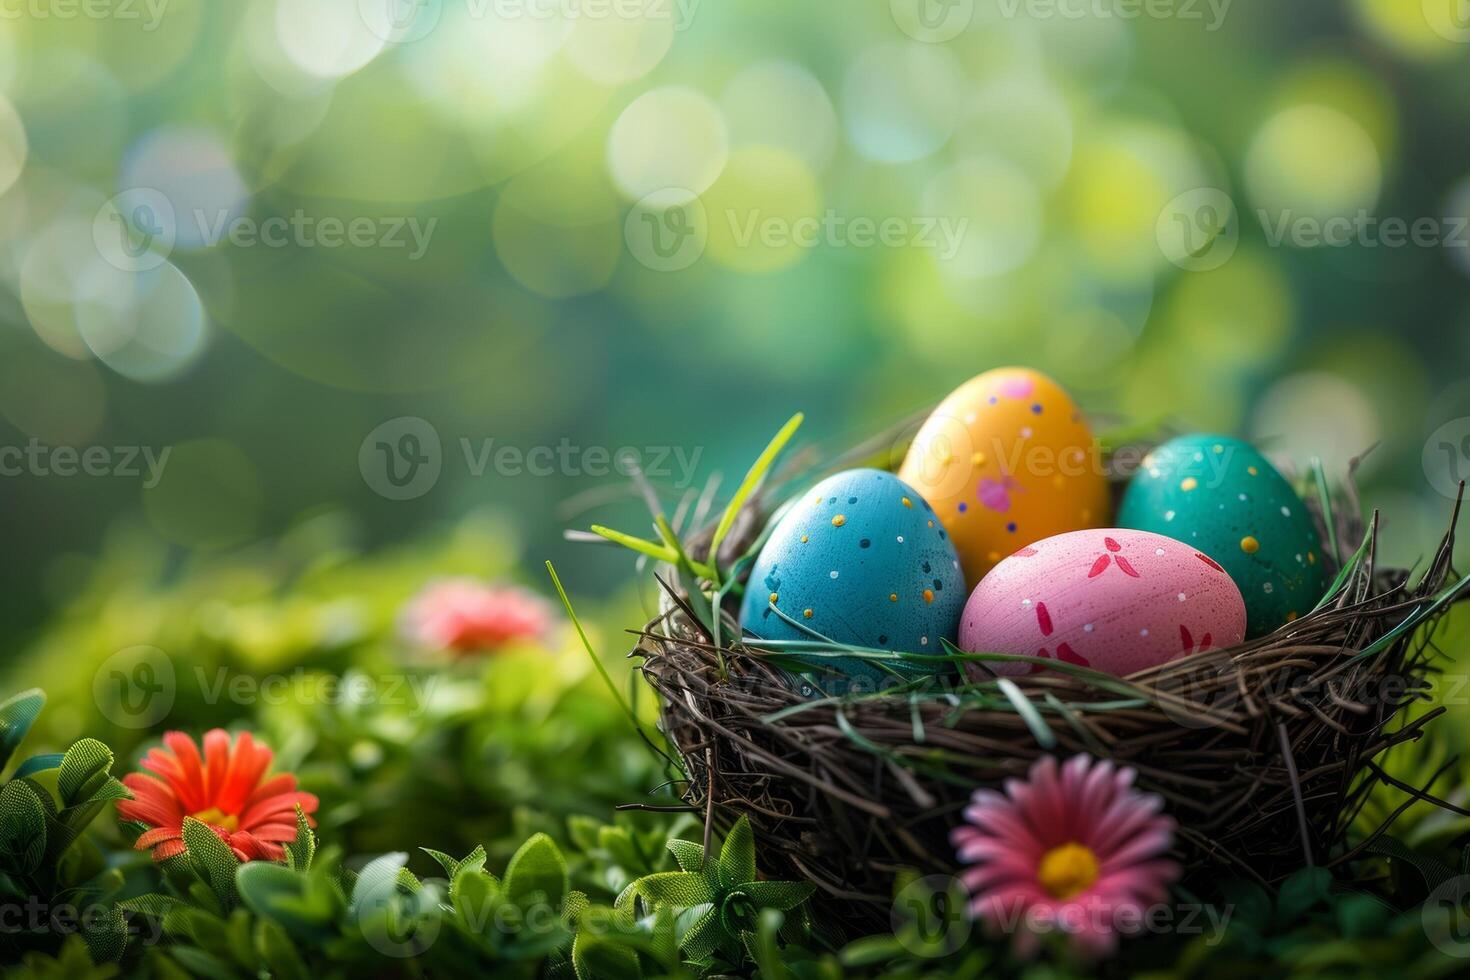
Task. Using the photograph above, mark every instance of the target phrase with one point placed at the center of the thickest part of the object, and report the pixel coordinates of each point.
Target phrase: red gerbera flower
(226, 789)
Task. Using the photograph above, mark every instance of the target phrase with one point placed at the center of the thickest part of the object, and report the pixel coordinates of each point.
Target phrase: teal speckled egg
(1224, 498)
(859, 559)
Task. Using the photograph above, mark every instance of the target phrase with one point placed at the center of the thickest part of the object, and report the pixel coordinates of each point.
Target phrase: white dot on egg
(1286, 512)
(923, 641)
(1087, 628)
(1154, 473)
(1026, 432)
(1181, 597)
(1298, 559)
(833, 573)
(1158, 551)
(1242, 496)
(1143, 632)
(900, 539)
(1168, 515)
(1269, 588)
(1026, 603)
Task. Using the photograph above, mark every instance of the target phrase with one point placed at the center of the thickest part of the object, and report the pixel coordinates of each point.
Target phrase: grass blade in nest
(1349, 568)
(1319, 476)
(1416, 618)
(915, 718)
(698, 601)
(1083, 732)
(1045, 737)
(644, 547)
(753, 478)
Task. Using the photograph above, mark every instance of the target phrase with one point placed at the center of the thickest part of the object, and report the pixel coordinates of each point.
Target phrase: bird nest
(1264, 752)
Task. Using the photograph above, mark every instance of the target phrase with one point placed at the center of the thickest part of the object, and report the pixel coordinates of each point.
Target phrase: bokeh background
(538, 146)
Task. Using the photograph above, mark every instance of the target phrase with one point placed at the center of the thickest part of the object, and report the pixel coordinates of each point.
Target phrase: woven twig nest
(1263, 752)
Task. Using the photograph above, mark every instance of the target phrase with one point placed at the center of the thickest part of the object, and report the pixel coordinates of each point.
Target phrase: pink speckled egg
(1112, 599)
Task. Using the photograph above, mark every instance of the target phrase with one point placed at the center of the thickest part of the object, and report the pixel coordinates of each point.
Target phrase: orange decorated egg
(1006, 460)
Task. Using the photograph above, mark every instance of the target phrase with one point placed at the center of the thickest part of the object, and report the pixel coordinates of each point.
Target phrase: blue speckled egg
(860, 559)
(1224, 498)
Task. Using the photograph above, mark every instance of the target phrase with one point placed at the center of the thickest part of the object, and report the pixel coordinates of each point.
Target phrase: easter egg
(860, 559)
(1224, 498)
(1005, 460)
(1112, 599)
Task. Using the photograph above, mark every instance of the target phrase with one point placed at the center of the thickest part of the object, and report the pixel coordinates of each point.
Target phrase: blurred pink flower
(1074, 849)
(467, 616)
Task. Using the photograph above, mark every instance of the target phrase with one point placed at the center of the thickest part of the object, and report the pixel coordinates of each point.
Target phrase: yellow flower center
(217, 818)
(1067, 870)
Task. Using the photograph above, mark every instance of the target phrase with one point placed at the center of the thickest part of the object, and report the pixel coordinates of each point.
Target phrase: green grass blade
(1319, 477)
(652, 549)
(753, 479)
(592, 655)
(709, 617)
(1045, 737)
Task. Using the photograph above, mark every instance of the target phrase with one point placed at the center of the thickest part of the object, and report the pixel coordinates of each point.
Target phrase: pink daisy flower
(466, 615)
(1074, 849)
